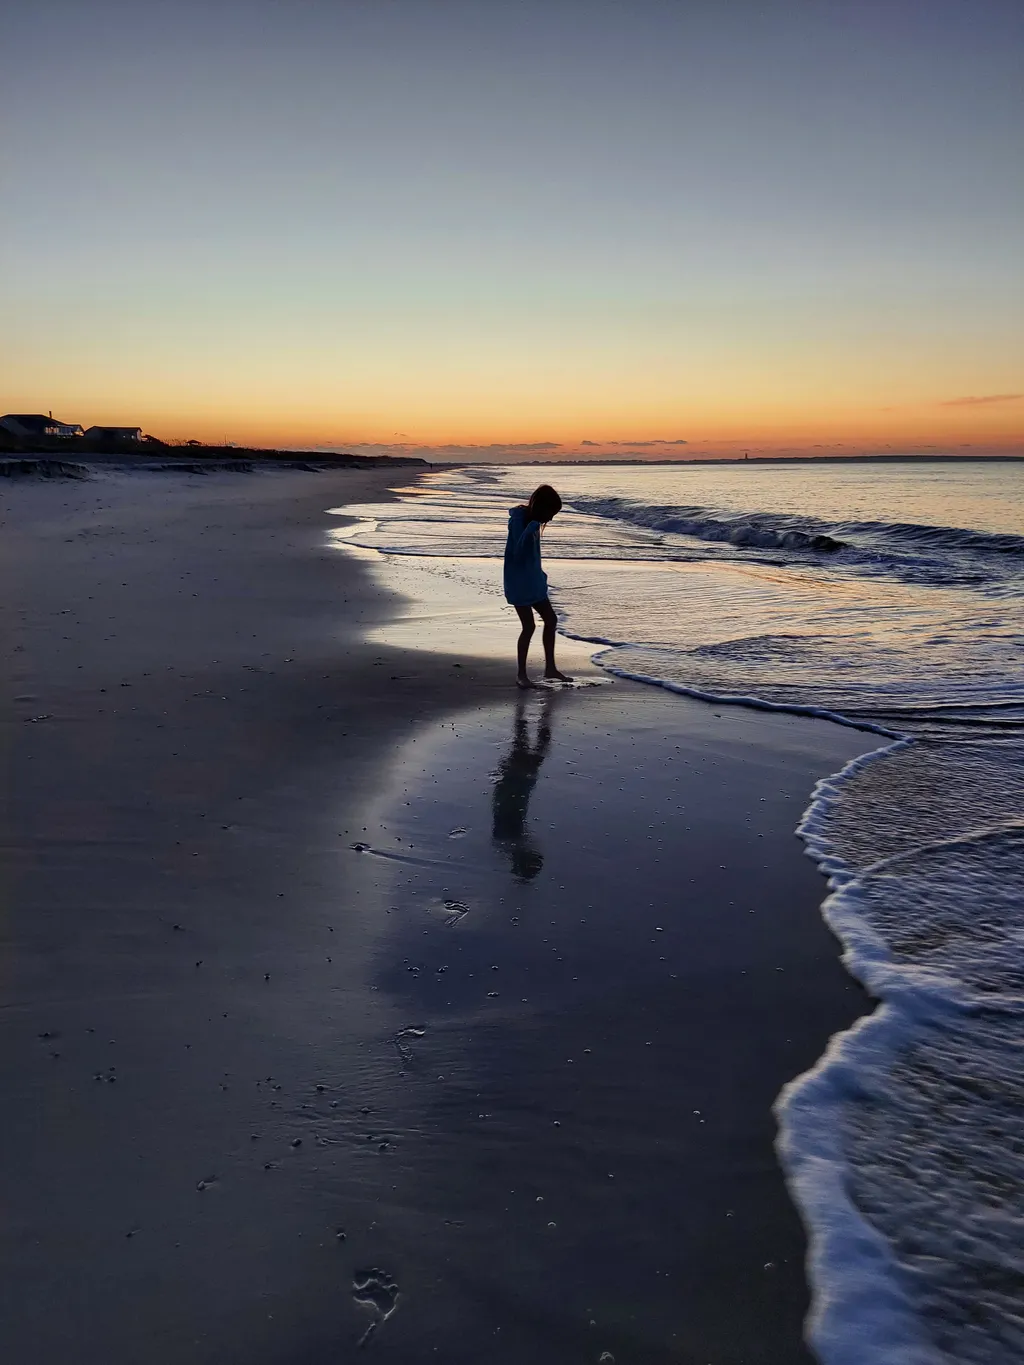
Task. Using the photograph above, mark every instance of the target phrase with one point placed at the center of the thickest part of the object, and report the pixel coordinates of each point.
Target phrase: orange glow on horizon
(579, 403)
(998, 429)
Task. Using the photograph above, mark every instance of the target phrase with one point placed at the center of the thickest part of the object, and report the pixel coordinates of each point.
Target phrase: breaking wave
(918, 553)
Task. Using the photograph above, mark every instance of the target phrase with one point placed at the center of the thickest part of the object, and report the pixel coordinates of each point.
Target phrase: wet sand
(223, 1025)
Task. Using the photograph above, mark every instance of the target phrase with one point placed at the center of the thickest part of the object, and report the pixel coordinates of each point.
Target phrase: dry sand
(222, 1026)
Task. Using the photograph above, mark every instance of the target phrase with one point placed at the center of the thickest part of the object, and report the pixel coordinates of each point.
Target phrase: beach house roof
(38, 424)
(114, 433)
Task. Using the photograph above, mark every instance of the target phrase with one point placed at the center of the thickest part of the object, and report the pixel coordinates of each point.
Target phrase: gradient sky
(507, 223)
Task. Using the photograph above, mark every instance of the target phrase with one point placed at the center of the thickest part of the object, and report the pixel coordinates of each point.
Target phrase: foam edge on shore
(861, 1312)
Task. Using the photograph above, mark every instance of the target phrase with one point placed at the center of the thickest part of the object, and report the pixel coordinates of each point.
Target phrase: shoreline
(184, 884)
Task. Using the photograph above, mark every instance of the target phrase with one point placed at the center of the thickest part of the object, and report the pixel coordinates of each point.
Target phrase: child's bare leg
(523, 644)
(547, 615)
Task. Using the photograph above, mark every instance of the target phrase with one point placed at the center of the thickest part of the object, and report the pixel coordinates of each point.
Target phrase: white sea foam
(902, 1146)
(890, 599)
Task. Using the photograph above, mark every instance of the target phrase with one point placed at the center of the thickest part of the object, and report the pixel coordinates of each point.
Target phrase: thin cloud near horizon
(494, 447)
(676, 441)
(418, 448)
(499, 450)
(981, 400)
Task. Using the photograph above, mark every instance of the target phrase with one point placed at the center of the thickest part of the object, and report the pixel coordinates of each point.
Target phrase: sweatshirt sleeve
(531, 532)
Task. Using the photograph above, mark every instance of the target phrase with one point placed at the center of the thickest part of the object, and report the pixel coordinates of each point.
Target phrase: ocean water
(889, 597)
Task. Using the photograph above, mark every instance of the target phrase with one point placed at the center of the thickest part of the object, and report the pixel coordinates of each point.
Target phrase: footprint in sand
(456, 911)
(402, 1046)
(374, 1290)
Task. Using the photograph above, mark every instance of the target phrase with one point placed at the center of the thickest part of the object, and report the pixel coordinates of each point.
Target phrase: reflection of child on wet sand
(517, 777)
(526, 583)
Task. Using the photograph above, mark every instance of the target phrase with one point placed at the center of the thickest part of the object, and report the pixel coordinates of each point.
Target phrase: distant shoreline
(770, 459)
(76, 462)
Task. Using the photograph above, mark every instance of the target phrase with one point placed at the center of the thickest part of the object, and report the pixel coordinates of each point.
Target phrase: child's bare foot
(524, 682)
(554, 674)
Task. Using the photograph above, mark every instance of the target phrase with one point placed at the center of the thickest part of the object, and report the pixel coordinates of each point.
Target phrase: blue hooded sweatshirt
(525, 581)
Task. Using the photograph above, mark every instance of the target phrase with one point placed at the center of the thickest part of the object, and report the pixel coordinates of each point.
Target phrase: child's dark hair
(544, 503)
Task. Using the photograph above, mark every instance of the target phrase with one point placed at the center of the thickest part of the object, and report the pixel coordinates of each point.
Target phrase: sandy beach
(349, 997)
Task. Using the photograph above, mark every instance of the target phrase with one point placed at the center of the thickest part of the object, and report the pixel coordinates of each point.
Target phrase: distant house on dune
(36, 424)
(114, 434)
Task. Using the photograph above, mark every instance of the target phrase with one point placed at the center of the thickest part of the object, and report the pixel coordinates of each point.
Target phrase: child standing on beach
(526, 583)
